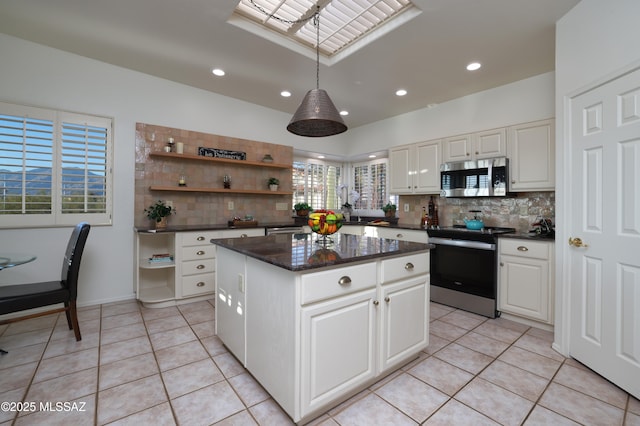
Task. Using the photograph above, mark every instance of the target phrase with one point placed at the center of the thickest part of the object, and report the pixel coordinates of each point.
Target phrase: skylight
(343, 23)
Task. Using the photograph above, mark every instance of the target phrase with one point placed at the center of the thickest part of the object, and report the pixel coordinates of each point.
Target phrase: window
(55, 167)
(370, 182)
(316, 184)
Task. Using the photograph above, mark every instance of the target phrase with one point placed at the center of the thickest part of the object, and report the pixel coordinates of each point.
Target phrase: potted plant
(273, 183)
(389, 210)
(302, 209)
(158, 213)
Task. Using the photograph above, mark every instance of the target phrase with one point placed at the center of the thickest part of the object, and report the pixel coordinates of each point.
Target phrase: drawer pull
(399, 235)
(522, 248)
(344, 280)
(200, 252)
(200, 284)
(409, 266)
(386, 299)
(200, 267)
(243, 236)
(201, 238)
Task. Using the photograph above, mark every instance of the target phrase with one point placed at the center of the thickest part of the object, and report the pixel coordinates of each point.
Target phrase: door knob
(577, 242)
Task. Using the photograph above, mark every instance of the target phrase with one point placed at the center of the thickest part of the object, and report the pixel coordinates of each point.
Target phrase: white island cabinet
(316, 336)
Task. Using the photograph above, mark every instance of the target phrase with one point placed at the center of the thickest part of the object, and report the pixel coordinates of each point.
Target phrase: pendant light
(316, 116)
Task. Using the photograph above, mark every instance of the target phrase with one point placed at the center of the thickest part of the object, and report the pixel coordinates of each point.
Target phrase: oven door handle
(462, 243)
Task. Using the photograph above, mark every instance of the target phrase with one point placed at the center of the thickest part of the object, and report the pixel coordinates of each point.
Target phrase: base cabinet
(189, 274)
(526, 287)
(313, 339)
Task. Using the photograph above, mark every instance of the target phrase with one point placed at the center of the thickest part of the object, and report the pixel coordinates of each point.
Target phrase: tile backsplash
(200, 208)
(519, 211)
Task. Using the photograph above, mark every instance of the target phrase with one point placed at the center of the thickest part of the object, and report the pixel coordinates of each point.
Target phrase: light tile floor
(165, 366)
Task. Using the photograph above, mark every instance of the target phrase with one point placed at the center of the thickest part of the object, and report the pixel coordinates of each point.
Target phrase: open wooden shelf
(219, 160)
(218, 190)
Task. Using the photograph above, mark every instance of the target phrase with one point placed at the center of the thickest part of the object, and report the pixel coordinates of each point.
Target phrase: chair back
(72, 256)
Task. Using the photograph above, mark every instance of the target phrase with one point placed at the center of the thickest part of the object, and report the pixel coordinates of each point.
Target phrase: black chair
(15, 298)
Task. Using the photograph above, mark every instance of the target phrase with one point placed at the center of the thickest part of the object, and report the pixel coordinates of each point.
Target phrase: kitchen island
(317, 322)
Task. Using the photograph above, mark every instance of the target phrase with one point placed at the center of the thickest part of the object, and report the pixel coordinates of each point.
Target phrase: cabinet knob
(200, 267)
(501, 263)
(201, 238)
(344, 280)
(200, 252)
(376, 303)
(386, 299)
(513, 181)
(409, 266)
(200, 284)
(467, 154)
(522, 248)
(477, 153)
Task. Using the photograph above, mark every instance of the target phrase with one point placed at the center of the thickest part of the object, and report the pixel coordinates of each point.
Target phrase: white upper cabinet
(531, 152)
(415, 169)
(475, 146)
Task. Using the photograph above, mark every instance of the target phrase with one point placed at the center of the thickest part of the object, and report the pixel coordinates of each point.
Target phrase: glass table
(9, 260)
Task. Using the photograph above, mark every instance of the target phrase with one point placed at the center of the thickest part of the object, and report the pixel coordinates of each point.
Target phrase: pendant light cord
(316, 22)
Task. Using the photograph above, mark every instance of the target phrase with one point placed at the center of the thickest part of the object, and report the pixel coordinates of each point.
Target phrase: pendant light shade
(316, 116)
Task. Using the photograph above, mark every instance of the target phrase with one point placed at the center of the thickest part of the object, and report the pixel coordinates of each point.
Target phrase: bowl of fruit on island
(325, 222)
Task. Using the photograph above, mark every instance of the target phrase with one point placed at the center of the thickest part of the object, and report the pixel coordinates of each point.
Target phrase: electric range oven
(464, 268)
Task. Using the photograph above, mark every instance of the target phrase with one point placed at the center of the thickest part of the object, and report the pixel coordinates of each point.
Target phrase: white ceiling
(183, 40)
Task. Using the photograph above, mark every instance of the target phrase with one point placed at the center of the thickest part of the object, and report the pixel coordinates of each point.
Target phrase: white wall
(594, 40)
(520, 102)
(40, 76)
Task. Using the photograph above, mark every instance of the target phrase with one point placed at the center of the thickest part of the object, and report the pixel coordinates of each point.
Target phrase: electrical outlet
(169, 203)
(230, 205)
(406, 207)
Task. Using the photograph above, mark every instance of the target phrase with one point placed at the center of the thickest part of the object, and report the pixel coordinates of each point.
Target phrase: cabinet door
(404, 309)
(457, 148)
(338, 342)
(230, 283)
(428, 159)
(524, 287)
(531, 151)
(492, 143)
(400, 173)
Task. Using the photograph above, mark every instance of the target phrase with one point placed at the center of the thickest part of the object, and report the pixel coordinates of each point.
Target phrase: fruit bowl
(325, 222)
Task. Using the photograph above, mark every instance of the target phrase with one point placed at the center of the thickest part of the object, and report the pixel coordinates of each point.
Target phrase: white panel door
(605, 217)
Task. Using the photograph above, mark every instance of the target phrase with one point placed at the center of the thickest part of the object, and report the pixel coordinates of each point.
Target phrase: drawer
(198, 238)
(242, 233)
(191, 267)
(524, 248)
(198, 252)
(198, 284)
(405, 267)
(332, 283)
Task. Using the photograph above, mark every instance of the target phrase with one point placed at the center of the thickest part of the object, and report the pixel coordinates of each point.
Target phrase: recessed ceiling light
(344, 112)
(285, 93)
(474, 66)
(218, 72)
(372, 156)
(321, 156)
(401, 92)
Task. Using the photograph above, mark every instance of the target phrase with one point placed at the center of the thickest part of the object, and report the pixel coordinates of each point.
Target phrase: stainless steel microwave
(488, 177)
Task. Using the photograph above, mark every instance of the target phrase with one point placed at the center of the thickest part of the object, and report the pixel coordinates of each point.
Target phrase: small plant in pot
(158, 213)
(273, 183)
(389, 210)
(302, 209)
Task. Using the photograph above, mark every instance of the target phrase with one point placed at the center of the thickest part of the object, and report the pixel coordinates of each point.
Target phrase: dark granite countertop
(303, 252)
(214, 227)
